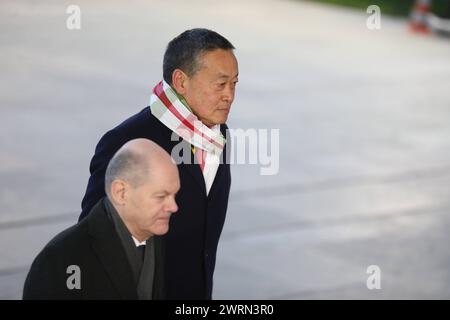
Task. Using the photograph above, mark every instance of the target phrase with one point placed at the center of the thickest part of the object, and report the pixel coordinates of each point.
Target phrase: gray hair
(127, 165)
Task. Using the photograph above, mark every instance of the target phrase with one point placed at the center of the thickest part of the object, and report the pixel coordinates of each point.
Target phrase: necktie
(201, 156)
(141, 250)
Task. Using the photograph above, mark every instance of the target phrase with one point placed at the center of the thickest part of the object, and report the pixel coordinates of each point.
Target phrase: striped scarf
(174, 113)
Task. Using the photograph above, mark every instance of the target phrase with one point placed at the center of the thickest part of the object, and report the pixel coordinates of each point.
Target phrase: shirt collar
(138, 243)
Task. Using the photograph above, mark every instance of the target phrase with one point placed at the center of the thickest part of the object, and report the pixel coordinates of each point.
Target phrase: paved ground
(364, 139)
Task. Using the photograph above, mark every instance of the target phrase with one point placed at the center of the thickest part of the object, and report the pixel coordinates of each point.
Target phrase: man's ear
(119, 189)
(179, 81)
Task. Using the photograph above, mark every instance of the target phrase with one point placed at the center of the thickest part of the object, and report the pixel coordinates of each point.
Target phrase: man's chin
(215, 123)
(222, 120)
(161, 231)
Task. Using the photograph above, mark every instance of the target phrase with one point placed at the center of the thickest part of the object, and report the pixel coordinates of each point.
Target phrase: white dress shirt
(212, 163)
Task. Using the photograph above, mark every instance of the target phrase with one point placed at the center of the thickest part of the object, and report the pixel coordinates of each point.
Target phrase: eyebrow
(223, 75)
(165, 192)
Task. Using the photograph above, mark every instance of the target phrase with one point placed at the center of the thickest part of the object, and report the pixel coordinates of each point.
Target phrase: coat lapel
(196, 172)
(158, 281)
(110, 252)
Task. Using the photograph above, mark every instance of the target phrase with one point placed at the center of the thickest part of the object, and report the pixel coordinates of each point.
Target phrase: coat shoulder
(138, 125)
(48, 270)
(67, 240)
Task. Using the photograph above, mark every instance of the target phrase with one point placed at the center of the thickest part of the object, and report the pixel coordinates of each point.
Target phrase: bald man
(116, 252)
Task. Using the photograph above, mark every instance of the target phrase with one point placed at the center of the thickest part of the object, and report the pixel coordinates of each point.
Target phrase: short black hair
(184, 51)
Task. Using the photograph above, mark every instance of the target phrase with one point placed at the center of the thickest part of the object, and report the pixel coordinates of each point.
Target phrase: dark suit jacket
(95, 247)
(192, 240)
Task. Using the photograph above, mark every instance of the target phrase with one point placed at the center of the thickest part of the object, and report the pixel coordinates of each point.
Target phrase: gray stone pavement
(364, 139)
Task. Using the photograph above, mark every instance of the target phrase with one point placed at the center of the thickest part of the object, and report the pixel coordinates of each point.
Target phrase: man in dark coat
(117, 251)
(192, 103)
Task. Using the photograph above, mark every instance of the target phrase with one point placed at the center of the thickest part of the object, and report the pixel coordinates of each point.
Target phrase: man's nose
(228, 94)
(172, 206)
